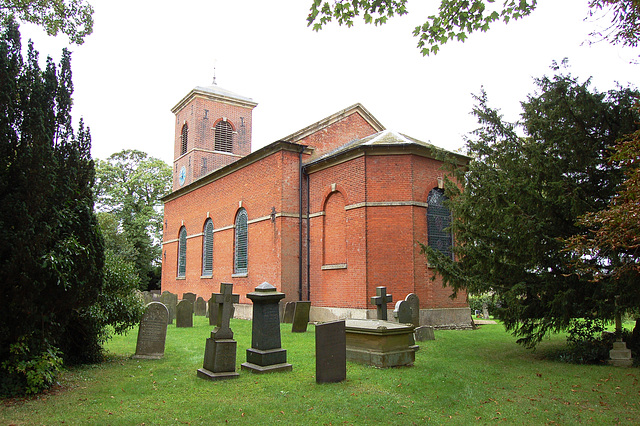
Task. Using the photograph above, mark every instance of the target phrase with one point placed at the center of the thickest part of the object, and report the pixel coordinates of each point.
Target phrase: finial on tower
(214, 73)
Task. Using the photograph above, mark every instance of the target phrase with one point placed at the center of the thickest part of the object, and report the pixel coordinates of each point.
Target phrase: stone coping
(376, 327)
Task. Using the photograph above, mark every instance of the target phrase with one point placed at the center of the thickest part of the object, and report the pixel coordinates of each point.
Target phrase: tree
(130, 186)
(457, 19)
(51, 252)
(610, 252)
(73, 18)
(522, 194)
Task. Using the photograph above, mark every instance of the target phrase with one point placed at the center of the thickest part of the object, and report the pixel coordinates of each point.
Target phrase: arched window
(224, 137)
(439, 236)
(207, 248)
(182, 252)
(184, 137)
(240, 258)
(335, 230)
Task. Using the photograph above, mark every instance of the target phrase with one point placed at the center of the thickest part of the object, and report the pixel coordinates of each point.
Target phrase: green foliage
(587, 343)
(522, 193)
(478, 301)
(130, 186)
(51, 252)
(456, 19)
(73, 18)
(26, 372)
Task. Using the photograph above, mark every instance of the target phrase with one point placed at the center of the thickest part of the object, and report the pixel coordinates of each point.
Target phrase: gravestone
(403, 312)
(424, 333)
(190, 297)
(414, 305)
(200, 309)
(170, 300)
(147, 297)
(155, 295)
(152, 332)
(220, 349)
(380, 343)
(380, 300)
(266, 354)
(289, 309)
(213, 310)
(301, 317)
(184, 314)
(331, 352)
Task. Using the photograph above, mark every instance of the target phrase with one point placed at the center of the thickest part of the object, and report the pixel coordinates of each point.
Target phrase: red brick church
(326, 214)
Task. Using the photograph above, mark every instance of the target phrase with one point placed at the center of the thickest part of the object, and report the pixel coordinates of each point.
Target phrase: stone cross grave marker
(220, 349)
(266, 354)
(331, 352)
(184, 314)
(414, 304)
(225, 300)
(301, 317)
(152, 332)
(200, 308)
(380, 300)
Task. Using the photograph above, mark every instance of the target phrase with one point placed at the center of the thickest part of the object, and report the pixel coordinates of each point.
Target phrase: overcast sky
(144, 56)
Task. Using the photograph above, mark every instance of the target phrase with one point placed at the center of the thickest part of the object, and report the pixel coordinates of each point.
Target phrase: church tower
(213, 129)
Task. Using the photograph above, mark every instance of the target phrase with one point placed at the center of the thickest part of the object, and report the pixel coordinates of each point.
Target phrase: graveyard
(463, 376)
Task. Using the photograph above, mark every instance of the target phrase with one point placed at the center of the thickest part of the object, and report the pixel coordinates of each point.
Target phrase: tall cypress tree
(51, 253)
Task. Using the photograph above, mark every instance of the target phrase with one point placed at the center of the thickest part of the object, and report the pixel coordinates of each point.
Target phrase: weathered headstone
(414, 304)
(170, 300)
(331, 352)
(152, 332)
(184, 314)
(155, 295)
(200, 308)
(147, 297)
(403, 312)
(220, 349)
(424, 332)
(266, 354)
(301, 317)
(380, 300)
(190, 297)
(213, 310)
(289, 308)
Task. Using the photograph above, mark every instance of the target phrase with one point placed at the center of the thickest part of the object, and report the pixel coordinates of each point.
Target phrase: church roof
(388, 140)
(217, 93)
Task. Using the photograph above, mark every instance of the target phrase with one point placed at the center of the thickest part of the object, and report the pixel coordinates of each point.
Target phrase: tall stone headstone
(213, 310)
(184, 314)
(289, 309)
(380, 300)
(200, 308)
(266, 354)
(190, 297)
(301, 317)
(170, 300)
(414, 305)
(331, 352)
(152, 332)
(220, 349)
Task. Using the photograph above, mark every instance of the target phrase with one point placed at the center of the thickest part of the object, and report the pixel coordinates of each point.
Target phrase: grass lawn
(463, 377)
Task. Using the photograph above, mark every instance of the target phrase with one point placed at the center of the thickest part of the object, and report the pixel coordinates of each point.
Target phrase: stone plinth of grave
(266, 354)
(220, 349)
(152, 332)
(620, 356)
(380, 343)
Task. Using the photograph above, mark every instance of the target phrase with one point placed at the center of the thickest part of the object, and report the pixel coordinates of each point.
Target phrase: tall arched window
(207, 248)
(240, 259)
(182, 252)
(439, 236)
(184, 137)
(224, 137)
(335, 230)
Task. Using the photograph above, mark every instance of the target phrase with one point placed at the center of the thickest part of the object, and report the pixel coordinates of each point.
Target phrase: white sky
(144, 56)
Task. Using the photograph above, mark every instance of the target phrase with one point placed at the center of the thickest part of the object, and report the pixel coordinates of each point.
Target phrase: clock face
(182, 175)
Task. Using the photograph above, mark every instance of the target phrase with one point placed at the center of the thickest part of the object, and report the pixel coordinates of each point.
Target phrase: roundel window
(182, 176)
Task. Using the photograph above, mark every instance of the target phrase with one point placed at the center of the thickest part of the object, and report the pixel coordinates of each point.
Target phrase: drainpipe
(300, 224)
(308, 240)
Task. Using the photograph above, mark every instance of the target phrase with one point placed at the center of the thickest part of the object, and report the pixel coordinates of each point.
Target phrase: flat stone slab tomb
(380, 343)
